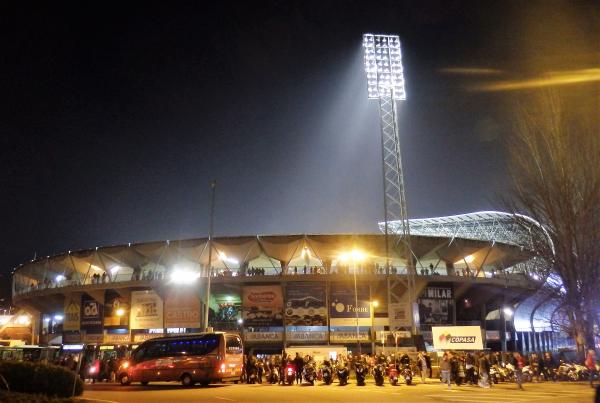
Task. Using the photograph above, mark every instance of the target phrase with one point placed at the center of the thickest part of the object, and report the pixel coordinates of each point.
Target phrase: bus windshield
(197, 345)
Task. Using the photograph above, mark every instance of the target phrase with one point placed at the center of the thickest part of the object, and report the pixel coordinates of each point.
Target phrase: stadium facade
(286, 290)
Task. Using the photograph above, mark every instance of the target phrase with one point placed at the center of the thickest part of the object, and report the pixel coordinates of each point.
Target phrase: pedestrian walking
(590, 364)
(424, 365)
(484, 370)
(518, 363)
(445, 369)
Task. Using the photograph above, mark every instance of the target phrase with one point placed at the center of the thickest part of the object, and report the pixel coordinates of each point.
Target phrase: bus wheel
(186, 380)
(144, 383)
(124, 379)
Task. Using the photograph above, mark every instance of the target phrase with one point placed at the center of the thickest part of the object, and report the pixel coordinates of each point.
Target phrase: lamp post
(355, 256)
(374, 304)
(213, 188)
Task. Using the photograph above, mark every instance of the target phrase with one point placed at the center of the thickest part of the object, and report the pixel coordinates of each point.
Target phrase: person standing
(549, 367)
(299, 364)
(445, 369)
(590, 364)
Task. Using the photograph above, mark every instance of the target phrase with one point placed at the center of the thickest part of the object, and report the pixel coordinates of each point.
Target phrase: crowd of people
(92, 369)
(480, 369)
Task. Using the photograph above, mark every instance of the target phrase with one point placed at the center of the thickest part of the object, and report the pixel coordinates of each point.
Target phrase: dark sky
(115, 116)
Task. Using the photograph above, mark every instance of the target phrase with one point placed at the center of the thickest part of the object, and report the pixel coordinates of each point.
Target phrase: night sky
(115, 116)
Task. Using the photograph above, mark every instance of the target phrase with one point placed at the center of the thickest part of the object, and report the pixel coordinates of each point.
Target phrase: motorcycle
(290, 374)
(361, 373)
(494, 374)
(253, 376)
(342, 374)
(309, 374)
(393, 374)
(378, 372)
(326, 374)
(407, 374)
(273, 376)
(527, 373)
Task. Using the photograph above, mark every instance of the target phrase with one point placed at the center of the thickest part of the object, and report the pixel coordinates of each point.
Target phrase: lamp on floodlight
(383, 66)
(226, 259)
(184, 276)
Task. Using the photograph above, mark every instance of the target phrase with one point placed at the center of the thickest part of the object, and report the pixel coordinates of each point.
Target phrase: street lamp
(374, 304)
(355, 256)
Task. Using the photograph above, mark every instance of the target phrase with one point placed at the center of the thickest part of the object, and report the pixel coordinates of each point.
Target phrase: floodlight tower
(385, 83)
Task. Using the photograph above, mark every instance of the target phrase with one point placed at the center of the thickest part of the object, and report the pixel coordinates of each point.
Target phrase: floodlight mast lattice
(385, 82)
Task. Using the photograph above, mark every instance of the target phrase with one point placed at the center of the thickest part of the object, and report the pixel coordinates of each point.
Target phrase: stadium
(283, 290)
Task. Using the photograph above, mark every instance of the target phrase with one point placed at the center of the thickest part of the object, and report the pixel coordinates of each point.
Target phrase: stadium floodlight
(383, 65)
(385, 83)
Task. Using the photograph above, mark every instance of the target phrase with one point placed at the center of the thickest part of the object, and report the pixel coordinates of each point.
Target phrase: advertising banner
(117, 338)
(348, 336)
(306, 304)
(146, 310)
(140, 337)
(435, 306)
(262, 306)
(301, 336)
(457, 337)
(116, 310)
(71, 336)
(399, 315)
(91, 315)
(263, 336)
(343, 310)
(72, 316)
(182, 308)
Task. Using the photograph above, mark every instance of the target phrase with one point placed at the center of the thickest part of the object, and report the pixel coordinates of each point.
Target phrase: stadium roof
(490, 226)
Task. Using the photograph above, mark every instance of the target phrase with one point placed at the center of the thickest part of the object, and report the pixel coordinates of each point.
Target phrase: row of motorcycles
(564, 372)
(326, 374)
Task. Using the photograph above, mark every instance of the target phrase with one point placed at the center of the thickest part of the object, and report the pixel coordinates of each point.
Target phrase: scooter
(393, 374)
(378, 374)
(342, 374)
(361, 373)
(308, 373)
(407, 374)
(290, 374)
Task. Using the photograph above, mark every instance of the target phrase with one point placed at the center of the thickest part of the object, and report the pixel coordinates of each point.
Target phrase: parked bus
(29, 353)
(195, 358)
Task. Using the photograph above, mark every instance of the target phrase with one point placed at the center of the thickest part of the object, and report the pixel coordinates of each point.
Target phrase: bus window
(156, 349)
(233, 344)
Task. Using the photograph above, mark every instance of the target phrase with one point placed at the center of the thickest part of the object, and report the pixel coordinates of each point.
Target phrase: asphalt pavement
(427, 393)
